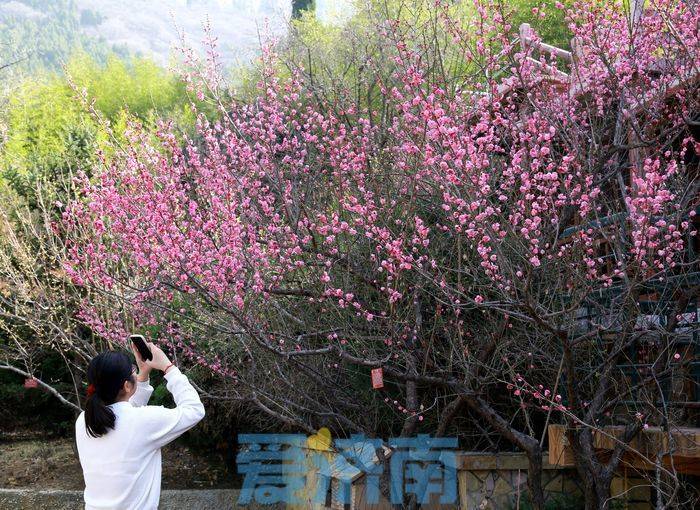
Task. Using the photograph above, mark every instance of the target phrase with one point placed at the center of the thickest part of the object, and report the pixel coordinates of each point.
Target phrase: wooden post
(576, 84)
(525, 36)
(636, 10)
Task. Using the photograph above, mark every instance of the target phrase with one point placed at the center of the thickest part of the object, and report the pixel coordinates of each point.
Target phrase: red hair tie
(90, 390)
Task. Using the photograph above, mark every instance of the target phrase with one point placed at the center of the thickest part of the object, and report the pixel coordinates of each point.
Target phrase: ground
(52, 464)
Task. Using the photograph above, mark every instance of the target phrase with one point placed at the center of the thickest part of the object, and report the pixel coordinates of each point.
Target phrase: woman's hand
(160, 361)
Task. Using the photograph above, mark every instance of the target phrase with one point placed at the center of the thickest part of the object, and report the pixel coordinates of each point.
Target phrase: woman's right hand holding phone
(160, 360)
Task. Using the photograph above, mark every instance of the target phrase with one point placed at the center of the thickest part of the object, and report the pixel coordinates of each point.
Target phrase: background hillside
(42, 34)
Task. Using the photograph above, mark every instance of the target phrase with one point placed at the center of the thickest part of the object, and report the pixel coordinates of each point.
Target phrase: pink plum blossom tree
(495, 223)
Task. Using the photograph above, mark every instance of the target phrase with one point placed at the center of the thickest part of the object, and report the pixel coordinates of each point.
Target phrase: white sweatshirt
(122, 469)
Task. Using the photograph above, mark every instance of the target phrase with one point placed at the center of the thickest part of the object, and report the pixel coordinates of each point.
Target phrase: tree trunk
(596, 492)
(528, 444)
(596, 477)
(534, 477)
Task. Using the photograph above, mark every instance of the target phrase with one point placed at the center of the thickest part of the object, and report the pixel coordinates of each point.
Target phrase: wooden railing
(682, 442)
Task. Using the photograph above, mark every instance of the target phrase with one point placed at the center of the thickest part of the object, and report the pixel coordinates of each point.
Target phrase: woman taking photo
(119, 437)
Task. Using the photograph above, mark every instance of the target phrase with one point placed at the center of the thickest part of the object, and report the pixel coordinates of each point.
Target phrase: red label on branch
(377, 378)
(31, 383)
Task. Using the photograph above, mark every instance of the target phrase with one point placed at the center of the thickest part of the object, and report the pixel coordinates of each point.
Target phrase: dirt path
(52, 464)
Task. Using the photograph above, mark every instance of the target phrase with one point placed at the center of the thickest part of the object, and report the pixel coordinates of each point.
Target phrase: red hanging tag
(377, 378)
(30, 382)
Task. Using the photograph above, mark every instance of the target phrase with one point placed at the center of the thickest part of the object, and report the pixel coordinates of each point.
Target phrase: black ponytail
(106, 374)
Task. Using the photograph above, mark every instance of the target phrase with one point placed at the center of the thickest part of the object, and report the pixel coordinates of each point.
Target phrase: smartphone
(140, 343)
